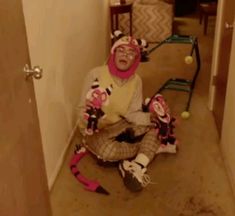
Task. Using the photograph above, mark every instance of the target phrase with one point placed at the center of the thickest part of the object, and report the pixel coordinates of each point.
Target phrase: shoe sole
(131, 183)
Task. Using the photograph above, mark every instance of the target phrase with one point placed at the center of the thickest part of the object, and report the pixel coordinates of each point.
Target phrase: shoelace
(147, 180)
(139, 173)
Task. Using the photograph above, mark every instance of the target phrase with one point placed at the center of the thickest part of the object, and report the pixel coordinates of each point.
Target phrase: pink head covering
(127, 41)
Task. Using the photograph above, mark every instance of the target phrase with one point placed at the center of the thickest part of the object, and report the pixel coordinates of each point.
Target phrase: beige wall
(66, 38)
(228, 134)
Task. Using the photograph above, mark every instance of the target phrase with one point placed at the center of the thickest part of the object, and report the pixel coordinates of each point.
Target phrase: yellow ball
(188, 59)
(185, 115)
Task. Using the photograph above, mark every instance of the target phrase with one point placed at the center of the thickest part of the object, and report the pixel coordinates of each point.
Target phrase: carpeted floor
(192, 182)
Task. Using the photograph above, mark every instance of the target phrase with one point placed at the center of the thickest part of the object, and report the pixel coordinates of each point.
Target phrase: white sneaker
(168, 148)
(134, 176)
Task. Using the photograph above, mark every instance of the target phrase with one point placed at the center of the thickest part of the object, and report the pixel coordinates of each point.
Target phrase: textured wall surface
(65, 40)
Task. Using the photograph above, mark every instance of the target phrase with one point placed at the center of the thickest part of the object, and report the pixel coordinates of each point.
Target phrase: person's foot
(133, 175)
(168, 148)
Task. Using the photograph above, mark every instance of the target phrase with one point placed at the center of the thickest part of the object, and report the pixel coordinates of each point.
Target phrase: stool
(206, 10)
(116, 9)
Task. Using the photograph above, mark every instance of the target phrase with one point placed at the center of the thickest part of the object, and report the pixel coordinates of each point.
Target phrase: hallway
(192, 182)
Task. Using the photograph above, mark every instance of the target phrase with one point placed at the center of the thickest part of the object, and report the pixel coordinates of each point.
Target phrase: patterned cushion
(152, 22)
(148, 1)
(154, 1)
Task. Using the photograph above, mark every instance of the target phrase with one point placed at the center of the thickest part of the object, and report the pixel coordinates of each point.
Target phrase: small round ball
(188, 59)
(185, 115)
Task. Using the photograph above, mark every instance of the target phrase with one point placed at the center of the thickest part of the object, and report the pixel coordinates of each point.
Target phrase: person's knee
(108, 152)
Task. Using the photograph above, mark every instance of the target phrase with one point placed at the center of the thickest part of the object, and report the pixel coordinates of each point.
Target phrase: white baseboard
(60, 162)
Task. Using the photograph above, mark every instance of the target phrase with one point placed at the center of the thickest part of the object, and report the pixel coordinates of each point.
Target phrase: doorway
(221, 60)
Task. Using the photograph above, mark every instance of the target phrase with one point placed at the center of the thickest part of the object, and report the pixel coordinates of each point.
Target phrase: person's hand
(153, 117)
(88, 104)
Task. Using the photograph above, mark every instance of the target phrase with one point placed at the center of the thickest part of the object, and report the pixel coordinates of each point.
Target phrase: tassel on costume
(90, 185)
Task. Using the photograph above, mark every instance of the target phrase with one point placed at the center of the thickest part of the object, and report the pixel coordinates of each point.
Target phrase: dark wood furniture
(115, 10)
(206, 10)
(185, 7)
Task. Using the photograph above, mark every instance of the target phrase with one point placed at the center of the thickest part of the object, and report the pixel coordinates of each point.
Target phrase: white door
(23, 184)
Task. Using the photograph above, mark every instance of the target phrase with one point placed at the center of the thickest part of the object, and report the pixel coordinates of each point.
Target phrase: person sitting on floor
(125, 133)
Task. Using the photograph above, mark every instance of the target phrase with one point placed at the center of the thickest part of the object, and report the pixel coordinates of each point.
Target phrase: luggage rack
(179, 84)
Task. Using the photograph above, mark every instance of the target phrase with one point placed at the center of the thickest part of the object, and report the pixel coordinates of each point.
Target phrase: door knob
(35, 72)
(229, 26)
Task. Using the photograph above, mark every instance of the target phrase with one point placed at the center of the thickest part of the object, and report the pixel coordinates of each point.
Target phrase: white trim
(216, 50)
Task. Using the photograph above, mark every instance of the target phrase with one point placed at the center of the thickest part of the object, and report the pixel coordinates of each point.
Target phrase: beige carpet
(192, 182)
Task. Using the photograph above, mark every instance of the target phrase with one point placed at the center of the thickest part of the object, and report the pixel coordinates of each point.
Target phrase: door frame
(226, 141)
(215, 55)
(220, 65)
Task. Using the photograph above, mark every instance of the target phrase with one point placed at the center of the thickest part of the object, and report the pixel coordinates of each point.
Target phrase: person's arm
(135, 113)
(86, 87)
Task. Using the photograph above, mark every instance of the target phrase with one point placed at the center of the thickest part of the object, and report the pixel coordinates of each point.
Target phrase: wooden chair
(206, 10)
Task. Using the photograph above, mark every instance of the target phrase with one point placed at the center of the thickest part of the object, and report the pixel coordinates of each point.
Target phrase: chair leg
(205, 23)
(200, 17)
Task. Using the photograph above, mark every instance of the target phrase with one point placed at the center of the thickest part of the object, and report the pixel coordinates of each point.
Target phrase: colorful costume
(126, 132)
(120, 115)
(164, 124)
(98, 97)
